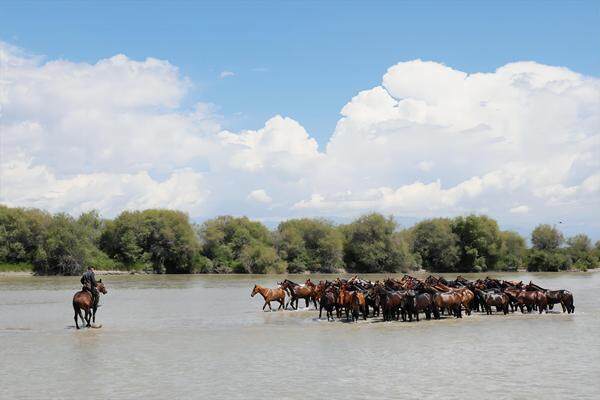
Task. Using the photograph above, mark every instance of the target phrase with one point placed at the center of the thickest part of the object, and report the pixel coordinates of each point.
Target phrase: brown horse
(269, 295)
(564, 297)
(82, 300)
(298, 292)
(447, 300)
(529, 299)
(352, 301)
(498, 300)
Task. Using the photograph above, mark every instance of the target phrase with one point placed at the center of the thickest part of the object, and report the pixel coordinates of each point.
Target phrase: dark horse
(82, 300)
(298, 292)
(564, 297)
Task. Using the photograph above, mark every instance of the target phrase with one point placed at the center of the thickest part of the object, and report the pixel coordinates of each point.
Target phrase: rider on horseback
(88, 280)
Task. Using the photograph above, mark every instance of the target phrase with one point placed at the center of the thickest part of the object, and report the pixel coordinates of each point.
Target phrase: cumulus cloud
(522, 209)
(429, 140)
(260, 196)
(225, 74)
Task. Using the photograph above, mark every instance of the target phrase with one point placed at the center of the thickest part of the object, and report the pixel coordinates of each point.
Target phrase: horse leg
(264, 305)
(94, 314)
(88, 317)
(77, 311)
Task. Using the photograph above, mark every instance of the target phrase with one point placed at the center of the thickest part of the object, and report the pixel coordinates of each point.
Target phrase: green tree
(580, 250)
(162, 239)
(235, 244)
(513, 251)
(65, 248)
(310, 244)
(546, 237)
(552, 261)
(258, 258)
(436, 244)
(370, 246)
(22, 234)
(480, 242)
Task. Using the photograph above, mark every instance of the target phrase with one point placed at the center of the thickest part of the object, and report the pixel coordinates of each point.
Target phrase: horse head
(254, 291)
(101, 287)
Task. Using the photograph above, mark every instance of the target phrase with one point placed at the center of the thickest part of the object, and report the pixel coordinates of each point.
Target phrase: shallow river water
(204, 337)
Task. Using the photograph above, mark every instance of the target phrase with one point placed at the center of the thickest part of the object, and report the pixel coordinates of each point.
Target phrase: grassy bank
(19, 267)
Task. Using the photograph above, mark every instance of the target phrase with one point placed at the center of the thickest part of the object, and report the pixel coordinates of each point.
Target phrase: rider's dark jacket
(89, 278)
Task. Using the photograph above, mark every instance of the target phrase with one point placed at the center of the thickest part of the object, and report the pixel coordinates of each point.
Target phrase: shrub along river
(200, 336)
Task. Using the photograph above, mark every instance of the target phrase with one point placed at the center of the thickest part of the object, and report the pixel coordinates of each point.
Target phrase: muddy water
(204, 337)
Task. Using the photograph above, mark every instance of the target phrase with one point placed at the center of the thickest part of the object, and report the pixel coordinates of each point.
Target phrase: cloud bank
(521, 143)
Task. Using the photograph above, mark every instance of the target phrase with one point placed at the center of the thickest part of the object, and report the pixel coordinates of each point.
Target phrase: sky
(285, 109)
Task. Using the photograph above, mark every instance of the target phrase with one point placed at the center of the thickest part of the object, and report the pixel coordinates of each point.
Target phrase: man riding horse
(88, 280)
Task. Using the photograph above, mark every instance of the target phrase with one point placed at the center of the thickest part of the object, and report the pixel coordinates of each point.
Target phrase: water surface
(204, 337)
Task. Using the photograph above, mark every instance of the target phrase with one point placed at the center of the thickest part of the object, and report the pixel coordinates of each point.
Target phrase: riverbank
(29, 272)
(26, 269)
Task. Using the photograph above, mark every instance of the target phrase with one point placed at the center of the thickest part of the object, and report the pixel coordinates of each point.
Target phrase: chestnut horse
(269, 295)
(82, 300)
(449, 300)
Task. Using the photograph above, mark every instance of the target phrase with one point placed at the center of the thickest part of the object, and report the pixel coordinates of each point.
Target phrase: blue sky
(305, 59)
(319, 109)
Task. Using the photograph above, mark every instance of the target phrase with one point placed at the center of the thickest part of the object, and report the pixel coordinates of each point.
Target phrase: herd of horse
(406, 298)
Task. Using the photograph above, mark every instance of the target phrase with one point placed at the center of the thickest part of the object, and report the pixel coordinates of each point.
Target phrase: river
(204, 337)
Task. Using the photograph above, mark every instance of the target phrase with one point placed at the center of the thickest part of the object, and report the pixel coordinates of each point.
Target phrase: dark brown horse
(298, 292)
(82, 300)
(328, 302)
(529, 299)
(498, 300)
(269, 295)
(564, 297)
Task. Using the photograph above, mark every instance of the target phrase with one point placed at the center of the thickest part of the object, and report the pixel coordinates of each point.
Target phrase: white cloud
(225, 74)
(425, 165)
(522, 209)
(430, 140)
(260, 195)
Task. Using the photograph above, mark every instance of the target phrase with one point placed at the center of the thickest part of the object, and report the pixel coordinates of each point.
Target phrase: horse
(498, 300)
(328, 302)
(450, 300)
(269, 295)
(529, 299)
(391, 302)
(298, 292)
(83, 300)
(372, 299)
(315, 295)
(351, 301)
(423, 303)
(564, 297)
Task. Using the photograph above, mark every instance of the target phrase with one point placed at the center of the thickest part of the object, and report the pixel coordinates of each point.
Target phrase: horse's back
(82, 299)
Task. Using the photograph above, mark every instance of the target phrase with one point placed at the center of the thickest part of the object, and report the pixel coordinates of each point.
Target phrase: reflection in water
(203, 336)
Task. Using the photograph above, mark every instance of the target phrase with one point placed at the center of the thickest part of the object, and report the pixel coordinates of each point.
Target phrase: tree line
(165, 241)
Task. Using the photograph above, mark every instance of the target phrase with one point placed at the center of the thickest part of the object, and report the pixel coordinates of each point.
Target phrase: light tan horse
(82, 300)
(269, 295)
